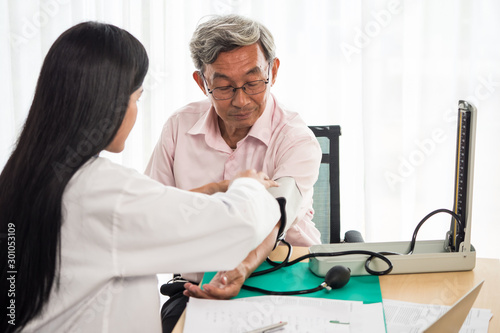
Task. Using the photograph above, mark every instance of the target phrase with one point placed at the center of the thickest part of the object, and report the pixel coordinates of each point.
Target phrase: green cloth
(298, 277)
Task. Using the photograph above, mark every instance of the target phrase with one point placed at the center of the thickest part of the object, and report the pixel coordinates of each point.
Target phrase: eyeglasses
(228, 92)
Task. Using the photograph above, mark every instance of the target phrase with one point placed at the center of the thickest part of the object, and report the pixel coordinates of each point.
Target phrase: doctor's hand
(260, 176)
(212, 188)
(224, 285)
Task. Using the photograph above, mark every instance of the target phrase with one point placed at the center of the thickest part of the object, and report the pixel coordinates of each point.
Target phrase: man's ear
(199, 80)
(274, 70)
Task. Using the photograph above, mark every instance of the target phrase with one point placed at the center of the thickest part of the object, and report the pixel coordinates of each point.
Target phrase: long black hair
(80, 101)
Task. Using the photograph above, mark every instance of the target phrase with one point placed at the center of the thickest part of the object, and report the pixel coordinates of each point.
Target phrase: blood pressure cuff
(289, 199)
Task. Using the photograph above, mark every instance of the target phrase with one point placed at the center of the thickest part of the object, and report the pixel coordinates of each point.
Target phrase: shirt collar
(262, 128)
(208, 125)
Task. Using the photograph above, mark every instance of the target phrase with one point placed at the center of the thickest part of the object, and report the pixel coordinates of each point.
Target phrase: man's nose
(240, 98)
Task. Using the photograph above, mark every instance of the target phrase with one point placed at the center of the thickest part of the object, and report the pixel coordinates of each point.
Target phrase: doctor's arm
(305, 158)
(227, 284)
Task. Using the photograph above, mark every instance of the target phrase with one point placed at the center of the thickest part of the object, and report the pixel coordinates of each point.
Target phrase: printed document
(302, 314)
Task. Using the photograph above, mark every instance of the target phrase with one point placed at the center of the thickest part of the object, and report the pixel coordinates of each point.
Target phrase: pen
(269, 328)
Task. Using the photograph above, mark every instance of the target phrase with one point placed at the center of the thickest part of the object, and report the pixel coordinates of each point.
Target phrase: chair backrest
(326, 198)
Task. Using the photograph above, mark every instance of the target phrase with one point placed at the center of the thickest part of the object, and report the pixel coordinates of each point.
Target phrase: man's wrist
(244, 269)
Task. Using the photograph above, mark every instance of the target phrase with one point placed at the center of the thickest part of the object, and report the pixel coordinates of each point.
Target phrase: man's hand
(224, 285)
(227, 284)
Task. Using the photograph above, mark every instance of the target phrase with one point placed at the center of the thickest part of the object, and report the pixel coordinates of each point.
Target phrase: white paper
(303, 314)
(406, 317)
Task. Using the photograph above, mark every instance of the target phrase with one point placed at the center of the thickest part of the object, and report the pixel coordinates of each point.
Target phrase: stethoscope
(338, 276)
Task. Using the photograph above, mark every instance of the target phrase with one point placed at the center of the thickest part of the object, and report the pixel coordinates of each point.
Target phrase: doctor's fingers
(252, 173)
(265, 180)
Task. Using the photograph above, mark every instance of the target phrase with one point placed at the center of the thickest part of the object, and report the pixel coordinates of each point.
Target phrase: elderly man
(239, 126)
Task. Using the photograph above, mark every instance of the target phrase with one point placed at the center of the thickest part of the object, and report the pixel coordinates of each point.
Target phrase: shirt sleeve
(160, 166)
(158, 229)
(299, 157)
(289, 198)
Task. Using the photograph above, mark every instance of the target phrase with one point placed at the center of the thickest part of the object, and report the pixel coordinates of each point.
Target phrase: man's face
(236, 68)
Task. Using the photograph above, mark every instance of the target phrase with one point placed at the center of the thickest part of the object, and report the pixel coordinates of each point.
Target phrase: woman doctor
(84, 238)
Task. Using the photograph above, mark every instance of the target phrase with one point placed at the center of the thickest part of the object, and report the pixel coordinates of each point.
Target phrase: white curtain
(389, 72)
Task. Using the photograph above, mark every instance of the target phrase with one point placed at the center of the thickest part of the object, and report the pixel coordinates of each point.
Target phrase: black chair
(326, 198)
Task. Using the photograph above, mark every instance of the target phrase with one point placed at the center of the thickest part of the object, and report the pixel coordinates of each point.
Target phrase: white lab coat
(121, 228)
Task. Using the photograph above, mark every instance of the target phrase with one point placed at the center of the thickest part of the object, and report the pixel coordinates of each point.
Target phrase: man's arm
(161, 163)
(227, 284)
(305, 155)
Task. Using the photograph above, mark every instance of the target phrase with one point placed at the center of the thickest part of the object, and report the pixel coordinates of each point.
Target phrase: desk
(447, 288)
(431, 288)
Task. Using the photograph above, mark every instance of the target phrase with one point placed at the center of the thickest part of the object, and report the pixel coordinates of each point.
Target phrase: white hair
(226, 33)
